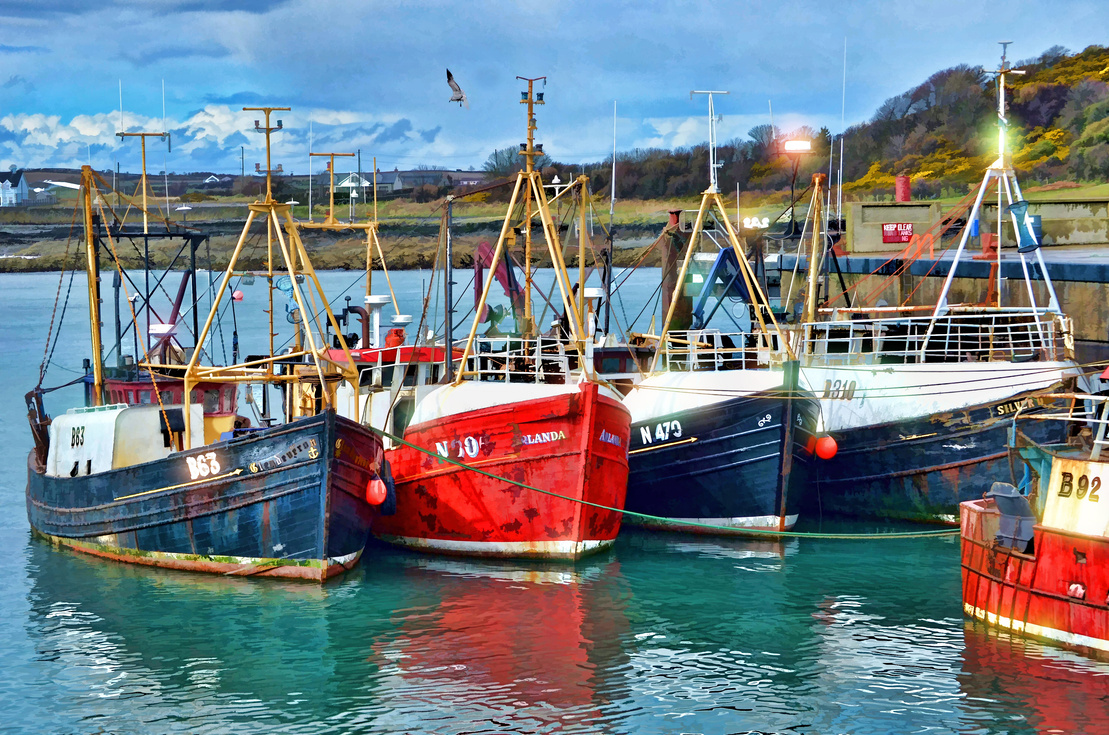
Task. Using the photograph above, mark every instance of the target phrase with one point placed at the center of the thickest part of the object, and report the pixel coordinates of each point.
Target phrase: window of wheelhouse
(402, 414)
(228, 402)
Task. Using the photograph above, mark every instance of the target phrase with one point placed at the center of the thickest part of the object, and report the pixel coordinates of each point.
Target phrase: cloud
(163, 53)
(397, 131)
(15, 82)
(5, 49)
(237, 98)
(430, 135)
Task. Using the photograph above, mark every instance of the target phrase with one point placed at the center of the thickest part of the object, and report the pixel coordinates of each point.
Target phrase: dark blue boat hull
(921, 470)
(726, 468)
(286, 502)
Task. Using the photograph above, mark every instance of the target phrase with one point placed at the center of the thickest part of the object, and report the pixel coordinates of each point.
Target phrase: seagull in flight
(458, 95)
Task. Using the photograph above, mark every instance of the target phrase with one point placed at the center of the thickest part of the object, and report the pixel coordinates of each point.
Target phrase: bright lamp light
(797, 146)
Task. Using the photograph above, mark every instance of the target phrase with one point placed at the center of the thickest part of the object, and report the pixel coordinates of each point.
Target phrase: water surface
(663, 634)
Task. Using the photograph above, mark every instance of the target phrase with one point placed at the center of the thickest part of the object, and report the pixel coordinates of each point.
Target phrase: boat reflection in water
(190, 650)
(1044, 687)
(521, 647)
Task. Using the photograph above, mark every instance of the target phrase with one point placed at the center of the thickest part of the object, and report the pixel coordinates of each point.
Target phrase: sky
(370, 76)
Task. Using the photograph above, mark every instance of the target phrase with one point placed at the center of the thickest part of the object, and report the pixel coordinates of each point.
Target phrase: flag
(1022, 220)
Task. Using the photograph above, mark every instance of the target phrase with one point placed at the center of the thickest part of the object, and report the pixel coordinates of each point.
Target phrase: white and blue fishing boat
(714, 445)
(160, 469)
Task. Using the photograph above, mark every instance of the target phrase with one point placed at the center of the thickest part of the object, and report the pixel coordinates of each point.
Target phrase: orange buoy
(376, 492)
(826, 447)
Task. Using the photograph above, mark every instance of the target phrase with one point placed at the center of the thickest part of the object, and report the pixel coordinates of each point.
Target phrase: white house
(13, 188)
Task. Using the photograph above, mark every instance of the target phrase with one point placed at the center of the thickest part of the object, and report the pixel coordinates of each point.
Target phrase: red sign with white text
(897, 232)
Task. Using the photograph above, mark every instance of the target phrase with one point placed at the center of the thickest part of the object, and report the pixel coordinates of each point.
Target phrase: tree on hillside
(504, 162)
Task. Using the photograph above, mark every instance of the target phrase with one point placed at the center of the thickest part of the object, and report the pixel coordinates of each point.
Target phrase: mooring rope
(670, 521)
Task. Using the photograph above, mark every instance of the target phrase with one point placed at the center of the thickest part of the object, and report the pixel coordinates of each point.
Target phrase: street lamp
(184, 209)
(794, 149)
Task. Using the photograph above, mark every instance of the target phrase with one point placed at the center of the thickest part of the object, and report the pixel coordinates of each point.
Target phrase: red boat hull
(573, 442)
(1057, 594)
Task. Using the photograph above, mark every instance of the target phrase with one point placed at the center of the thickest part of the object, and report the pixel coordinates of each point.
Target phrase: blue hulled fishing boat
(158, 468)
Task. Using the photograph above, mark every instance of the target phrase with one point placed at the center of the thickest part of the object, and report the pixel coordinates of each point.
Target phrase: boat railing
(710, 349)
(523, 360)
(993, 335)
(1083, 408)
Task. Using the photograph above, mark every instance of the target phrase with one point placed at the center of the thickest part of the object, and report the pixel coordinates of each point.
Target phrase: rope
(135, 322)
(47, 352)
(670, 521)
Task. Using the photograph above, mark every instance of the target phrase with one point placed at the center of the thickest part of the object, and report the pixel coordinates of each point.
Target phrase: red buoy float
(826, 447)
(376, 492)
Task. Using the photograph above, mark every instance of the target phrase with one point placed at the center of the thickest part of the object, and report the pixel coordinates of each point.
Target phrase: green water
(663, 634)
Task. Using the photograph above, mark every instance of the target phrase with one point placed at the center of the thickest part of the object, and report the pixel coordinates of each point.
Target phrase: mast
(305, 364)
(529, 183)
(92, 269)
(528, 151)
(1008, 189)
(611, 234)
(712, 203)
(164, 136)
(816, 251)
(448, 274)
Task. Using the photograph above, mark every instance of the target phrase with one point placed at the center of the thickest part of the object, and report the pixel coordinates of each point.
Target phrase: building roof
(12, 177)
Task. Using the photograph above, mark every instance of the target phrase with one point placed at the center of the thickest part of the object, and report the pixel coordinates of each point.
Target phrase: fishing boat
(524, 452)
(916, 397)
(717, 447)
(1034, 559)
(159, 469)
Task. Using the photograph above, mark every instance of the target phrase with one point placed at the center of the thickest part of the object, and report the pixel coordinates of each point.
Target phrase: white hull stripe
(564, 549)
(739, 522)
(1040, 631)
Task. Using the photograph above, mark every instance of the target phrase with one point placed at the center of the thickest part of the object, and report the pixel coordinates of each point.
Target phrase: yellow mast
(529, 183)
(528, 152)
(293, 253)
(93, 271)
(583, 182)
(816, 251)
(142, 179)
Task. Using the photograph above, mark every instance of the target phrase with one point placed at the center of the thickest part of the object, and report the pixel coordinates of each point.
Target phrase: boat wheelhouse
(1035, 558)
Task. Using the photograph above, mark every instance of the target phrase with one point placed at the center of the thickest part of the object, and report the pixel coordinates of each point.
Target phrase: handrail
(957, 337)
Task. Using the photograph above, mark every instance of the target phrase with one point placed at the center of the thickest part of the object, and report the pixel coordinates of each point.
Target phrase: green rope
(669, 521)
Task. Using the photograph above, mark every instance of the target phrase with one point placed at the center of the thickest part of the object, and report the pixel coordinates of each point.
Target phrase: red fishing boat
(524, 452)
(1037, 562)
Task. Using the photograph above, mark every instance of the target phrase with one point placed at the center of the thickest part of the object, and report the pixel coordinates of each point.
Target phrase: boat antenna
(713, 165)
(165, 154)
(842, 130)
(611, 234)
